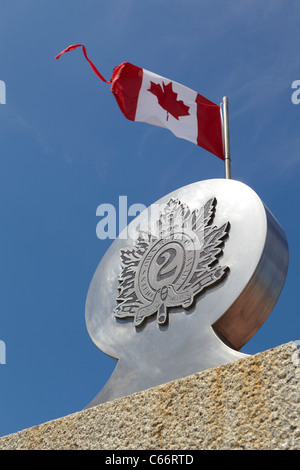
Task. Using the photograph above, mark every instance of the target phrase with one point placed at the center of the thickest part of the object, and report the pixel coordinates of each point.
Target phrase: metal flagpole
(226, 138)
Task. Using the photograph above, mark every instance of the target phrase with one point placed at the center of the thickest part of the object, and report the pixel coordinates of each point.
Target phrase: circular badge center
(166, 265)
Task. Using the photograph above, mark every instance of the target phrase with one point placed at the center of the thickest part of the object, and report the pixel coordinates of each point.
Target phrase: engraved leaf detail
(178, 224)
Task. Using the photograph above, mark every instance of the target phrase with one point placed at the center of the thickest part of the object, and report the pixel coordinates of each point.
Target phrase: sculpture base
(252, 403)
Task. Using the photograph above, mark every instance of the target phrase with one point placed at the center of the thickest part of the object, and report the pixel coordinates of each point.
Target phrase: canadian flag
(146, 97)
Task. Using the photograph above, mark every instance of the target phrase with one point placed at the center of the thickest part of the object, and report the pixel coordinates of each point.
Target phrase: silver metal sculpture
(185, 290)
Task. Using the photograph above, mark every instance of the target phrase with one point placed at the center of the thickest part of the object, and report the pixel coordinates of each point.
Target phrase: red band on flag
(209, 126)
(126, 84)
(74, 46)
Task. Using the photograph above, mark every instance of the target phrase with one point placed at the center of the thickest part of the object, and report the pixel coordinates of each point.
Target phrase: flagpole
(226, 138)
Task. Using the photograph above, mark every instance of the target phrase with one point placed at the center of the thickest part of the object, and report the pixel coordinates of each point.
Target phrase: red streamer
(74, 46)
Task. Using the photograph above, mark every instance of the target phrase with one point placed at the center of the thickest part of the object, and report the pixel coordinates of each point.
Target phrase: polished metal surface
(169, 340)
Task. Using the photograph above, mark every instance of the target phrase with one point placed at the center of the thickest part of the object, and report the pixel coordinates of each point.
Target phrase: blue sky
(65, 148)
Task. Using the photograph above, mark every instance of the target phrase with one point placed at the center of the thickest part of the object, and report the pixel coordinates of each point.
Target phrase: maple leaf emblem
(167, 99)
(170, 268)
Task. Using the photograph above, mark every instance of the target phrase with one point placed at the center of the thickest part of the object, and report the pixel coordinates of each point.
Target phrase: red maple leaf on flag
(167, 99)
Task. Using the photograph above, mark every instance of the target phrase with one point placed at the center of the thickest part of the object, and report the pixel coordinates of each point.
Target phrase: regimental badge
(172, 266)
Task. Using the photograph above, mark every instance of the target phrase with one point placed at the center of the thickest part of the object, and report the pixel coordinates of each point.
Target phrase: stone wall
(253, 404)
